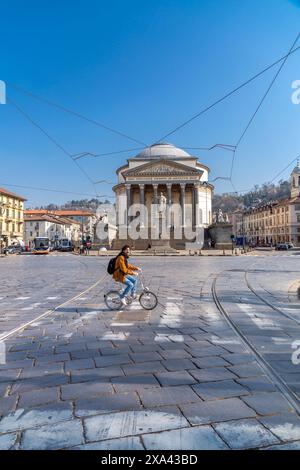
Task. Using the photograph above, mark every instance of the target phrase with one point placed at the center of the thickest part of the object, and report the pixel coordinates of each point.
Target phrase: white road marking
(172, 316)
(110, 336)
(22, 298)
(48, 312)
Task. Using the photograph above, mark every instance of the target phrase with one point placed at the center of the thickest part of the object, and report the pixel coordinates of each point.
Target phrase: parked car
(281, 247)
(12, 249)
(290, 245)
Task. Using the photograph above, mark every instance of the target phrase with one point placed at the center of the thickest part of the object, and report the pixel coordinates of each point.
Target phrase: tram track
(267, 368)
(266, 302)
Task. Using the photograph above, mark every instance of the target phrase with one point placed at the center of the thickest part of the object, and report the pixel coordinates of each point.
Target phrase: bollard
(299, 293)
(223, 252)
(200, 252)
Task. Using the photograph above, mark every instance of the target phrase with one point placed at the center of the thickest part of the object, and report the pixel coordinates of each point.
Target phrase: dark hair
(125, 247)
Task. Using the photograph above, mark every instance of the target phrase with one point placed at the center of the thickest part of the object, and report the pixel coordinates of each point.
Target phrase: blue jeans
(130, 288)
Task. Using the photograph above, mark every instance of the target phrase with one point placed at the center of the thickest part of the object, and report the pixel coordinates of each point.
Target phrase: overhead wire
(35, 188)
(75, 113)
(262, 101)
(227, 95)
(54, 141)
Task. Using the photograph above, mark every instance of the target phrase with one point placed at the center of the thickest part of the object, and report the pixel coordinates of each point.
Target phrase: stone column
(182, 203)
(142, 193)
(128, 197)
(169, 203)
(197, 208)
(142, 201)
(155, 199)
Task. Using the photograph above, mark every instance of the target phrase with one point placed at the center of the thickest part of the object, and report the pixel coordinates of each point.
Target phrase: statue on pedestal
(220, 218)
(162, 204)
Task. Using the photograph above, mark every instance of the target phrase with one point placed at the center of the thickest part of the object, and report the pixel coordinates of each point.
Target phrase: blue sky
(143, 68)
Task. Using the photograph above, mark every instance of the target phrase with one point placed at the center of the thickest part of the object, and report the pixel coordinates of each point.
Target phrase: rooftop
(10, 194)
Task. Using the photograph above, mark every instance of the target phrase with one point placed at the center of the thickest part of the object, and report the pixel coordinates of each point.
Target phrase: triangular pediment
(162, 168)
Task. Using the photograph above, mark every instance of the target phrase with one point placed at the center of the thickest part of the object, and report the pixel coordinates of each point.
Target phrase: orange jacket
(121, 270)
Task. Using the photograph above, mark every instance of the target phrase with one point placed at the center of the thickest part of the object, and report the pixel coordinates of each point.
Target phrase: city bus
(41, 246)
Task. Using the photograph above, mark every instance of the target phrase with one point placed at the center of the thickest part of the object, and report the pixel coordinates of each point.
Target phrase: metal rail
(282, 386)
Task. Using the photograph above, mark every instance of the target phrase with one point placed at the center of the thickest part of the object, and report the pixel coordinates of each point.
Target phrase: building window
(298, 218)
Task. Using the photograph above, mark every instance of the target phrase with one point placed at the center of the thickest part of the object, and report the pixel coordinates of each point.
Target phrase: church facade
(162, 198)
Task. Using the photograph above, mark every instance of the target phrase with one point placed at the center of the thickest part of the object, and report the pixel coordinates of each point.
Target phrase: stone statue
(220, 216)
(162, 203)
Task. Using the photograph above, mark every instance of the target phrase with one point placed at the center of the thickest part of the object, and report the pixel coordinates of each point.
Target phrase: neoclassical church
(176, 182)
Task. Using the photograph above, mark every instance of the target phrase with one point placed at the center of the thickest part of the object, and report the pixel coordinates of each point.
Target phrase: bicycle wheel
(148, 300)
(112, 300)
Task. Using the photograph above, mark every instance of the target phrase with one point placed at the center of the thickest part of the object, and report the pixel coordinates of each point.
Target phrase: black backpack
(111, 267)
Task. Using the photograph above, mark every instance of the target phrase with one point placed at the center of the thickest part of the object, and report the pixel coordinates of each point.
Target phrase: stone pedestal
(160, 246)
(221, 233)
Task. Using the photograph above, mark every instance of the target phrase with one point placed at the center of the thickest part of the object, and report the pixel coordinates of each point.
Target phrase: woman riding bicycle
(125, 273)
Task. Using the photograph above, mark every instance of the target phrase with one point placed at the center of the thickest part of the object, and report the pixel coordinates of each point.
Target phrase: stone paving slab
(212, 374)
(7, 441)
(265, 403)
(36, 383)
(80, 390)
(125, 443)
(66, 434)
(210, 361)
(257, 384)
(216, 410)
(101, 374)
(24, 419)
(285, 426)
(174, 365)
(168, 396)
(289, 446)
(106, 404)
(143, 368)
(7, 404)
(130, 423)
(134, 382)
(247, 370)
(38, 397)
(106, 361)
(220, 389)
(175, 378)
(197, 438)
(245, 434)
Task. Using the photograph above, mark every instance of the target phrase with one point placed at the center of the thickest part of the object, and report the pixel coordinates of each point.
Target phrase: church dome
(296, 170)
(162, 150)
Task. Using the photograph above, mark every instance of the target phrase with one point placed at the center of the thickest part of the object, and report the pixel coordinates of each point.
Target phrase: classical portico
(163, 172)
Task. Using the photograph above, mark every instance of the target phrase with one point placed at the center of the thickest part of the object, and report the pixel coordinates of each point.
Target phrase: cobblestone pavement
(179, 377)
